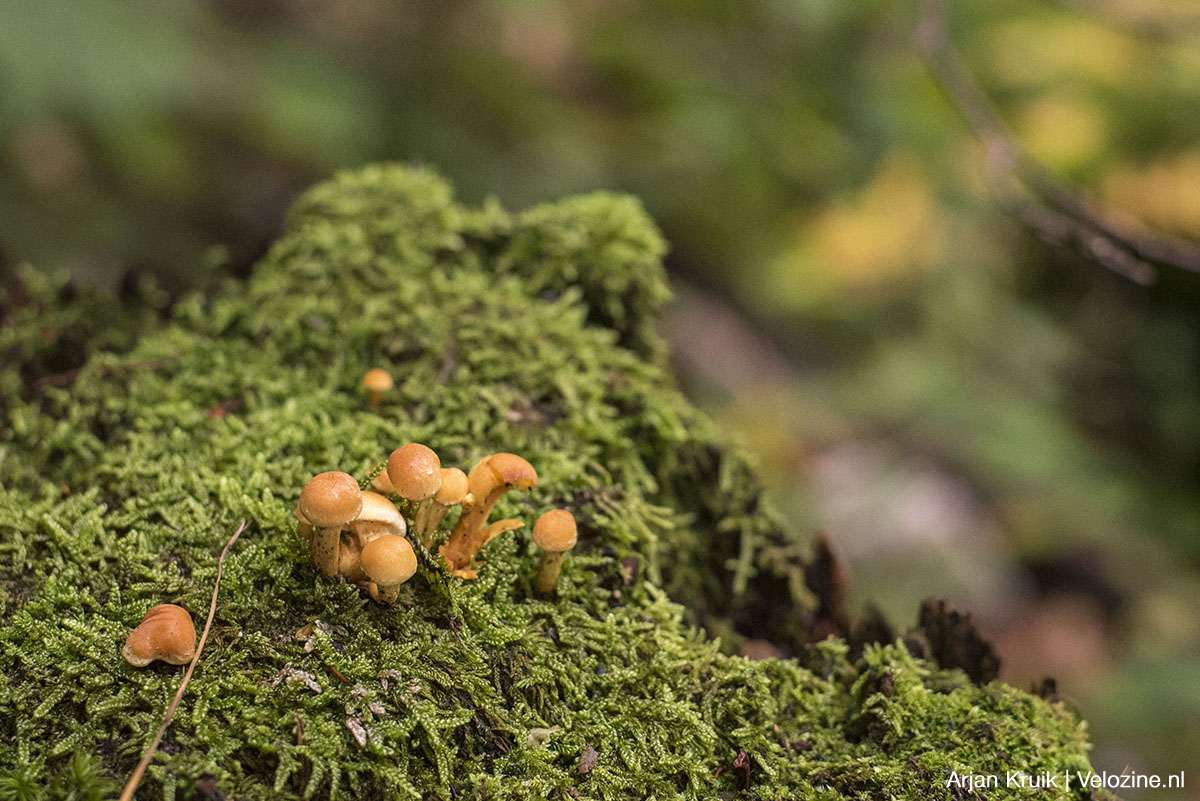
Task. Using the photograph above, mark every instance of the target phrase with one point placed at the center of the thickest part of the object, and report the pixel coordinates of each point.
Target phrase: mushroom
(382, 484)
(166, 633)
(414, 471)
(488, 480)
(329, 501)
(376, 382)
(378, 517)
(388, 561)
(452, 492)
(555, 533)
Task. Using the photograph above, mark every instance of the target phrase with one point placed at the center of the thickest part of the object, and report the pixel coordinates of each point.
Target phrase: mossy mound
(531, 333)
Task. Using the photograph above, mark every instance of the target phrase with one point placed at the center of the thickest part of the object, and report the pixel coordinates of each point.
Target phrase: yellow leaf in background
(1164, 194)
(887, 231)
(1043, 51)
(1062, 132)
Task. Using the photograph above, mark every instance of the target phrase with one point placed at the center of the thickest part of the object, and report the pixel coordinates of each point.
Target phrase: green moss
(531, 333)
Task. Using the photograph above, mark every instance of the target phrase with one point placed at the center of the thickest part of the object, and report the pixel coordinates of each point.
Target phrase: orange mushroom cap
(454, 486)
(555, 531)
(378, 380)
(166, 633)
(415, 471)
(501, 470)
(330, 499)
(389, 560)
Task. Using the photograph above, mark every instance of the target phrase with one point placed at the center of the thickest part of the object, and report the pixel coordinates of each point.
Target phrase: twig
(131, 786)
(1058, 212)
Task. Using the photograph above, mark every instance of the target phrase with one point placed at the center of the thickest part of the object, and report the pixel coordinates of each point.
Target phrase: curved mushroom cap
(415, 471)
(389, 560)
(501, 470)
(380, 515)
(454, 487)
(382, 484)
(555, 531)
(166, 633)
(377, 380)
(330, 499)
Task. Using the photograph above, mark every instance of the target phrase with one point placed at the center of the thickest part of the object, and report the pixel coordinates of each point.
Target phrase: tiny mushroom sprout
(554, 532)
(329, 501)
(376, 382)
(453, 491)
(379, 517)
(166, 633)
(388, 562)
(488, 480)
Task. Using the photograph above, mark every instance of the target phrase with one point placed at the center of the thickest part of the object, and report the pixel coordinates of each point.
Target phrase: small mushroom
(376, 382)
(166, 633)
(378, 517)
(488, 480)
(388, 561)
(329, 501)
(415, 471)
(555, 533)
(382, 484)
(452, 492)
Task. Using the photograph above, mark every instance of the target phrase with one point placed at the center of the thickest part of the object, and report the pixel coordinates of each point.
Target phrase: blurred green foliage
(805, 169)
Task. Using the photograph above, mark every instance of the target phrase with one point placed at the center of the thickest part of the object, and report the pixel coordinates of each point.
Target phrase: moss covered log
(127, 463)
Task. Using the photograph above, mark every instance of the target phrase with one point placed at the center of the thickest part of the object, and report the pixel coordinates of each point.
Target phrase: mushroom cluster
(361, 535)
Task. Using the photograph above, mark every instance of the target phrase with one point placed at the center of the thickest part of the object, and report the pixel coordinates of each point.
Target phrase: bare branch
(1058, 212)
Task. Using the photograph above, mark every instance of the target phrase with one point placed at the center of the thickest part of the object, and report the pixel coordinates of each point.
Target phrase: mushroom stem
(488, 480)
(546, 580)
(454, 490)
(555, 533)
(326, 548)
(429, 516)
(383, 595)
(350, 560)
(468, 535)
(329, 501)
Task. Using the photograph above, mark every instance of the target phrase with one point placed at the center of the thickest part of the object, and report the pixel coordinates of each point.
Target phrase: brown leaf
(588, 760)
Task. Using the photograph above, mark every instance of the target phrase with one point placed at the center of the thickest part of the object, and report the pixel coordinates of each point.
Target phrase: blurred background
(968, 410)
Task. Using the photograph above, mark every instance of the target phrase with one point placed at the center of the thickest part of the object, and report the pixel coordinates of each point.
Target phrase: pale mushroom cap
(381, 483)
(555, 531)
(378, 379)
(330, 499)
(454, 486)
(500, 469)
(166, 633)
(389, 560)
(415, 471)
(381, 514)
